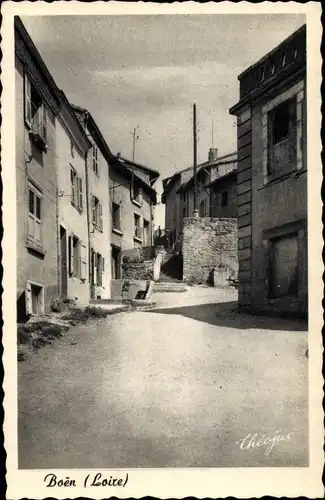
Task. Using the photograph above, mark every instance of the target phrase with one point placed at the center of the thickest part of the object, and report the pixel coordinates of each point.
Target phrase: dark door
(116, 263)
(93, 274)
(63, 262)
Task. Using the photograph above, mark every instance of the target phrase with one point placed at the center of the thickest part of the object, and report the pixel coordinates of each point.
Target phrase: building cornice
(73, 125)
(284, 63)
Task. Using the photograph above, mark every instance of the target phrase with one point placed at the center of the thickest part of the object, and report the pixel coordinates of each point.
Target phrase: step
(169, 287)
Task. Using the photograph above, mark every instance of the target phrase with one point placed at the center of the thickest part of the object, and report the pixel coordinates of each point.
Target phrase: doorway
(63, 262)
(92, 273)
(116, 262)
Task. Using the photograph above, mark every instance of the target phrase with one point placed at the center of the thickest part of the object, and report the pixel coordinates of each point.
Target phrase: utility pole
(135, 138)
(212, 131)
(196, 212)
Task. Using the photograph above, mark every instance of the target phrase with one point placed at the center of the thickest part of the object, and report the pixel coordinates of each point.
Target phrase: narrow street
(178, 386)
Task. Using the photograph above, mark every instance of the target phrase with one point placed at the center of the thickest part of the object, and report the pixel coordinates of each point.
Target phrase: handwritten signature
(259, 440)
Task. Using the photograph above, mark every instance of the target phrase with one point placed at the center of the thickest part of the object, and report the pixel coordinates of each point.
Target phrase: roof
(154, 174)
(228, 158)
(128, 174)
(232, 173)
(74, 122)
(93, 128)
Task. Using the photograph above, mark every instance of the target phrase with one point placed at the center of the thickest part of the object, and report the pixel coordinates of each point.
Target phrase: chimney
(213, 155)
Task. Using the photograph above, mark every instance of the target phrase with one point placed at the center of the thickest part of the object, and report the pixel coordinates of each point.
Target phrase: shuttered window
(76, 189)
(34, 214)
(97, 213)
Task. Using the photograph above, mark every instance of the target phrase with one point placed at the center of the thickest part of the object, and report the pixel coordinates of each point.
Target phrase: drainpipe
(58, 240)
(85, 116)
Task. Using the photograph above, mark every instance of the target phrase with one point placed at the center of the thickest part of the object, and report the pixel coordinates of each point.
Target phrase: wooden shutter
(93, 209)
(100, 208)
(94, 268)
(83, 273)
(28, 101)
(44, 123)
(73, 186)
(28, 298)
(80, 200)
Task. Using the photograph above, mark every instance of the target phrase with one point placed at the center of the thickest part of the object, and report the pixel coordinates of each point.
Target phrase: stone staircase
(171, 270)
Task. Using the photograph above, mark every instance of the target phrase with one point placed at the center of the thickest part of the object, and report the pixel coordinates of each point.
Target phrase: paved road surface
(174, 387)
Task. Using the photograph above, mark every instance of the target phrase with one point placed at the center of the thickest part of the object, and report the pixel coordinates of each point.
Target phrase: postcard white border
(165, 483)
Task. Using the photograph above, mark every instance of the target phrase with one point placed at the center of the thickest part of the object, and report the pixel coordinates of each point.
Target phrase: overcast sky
(147, 71)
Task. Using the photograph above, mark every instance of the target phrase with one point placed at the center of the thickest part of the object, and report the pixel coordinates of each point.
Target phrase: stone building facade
(272, 181)
(132, 209)
(214, 198)
(37, 105)
(99, 159)
(73, 252)
(209, 244)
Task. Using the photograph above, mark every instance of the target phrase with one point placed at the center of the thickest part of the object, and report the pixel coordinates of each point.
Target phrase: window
(184, 211)
(284, 266)
(137, 229)
(116, 216)
(282, 137)
(35, 112)
(137, 194)
(95, 159)
(224, 199)
(146, 233)
(34, 214)
(97, 213)
(202, 208)
(77, 257)
(76, 189)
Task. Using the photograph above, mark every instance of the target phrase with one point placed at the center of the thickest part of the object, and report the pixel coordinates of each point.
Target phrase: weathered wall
(278, 208)
(100, 239)
(138, 270)
(173, 209)
(228, 184)
(208, 242)
(120, 194)
(40, 267)
(267, 210)
(70, 218)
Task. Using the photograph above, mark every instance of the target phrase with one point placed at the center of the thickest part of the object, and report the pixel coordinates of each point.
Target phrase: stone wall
(137, 270)
(207, 244)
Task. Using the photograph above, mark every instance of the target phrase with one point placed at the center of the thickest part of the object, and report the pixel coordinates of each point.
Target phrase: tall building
(37, 106)
(272, 181)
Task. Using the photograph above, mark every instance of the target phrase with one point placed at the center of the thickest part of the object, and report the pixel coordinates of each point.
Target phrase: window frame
(95, 159)
(97, 213)
(296, 92)
(76, 189)
(137, 217)
(76, 257)
(146, 236)
(118, 206)
(33, 216)
(37, 123)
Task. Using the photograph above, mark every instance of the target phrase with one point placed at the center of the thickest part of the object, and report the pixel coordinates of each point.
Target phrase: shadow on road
(226, 315)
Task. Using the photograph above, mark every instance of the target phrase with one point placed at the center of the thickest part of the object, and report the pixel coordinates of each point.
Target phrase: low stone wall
(208, 243)
(137, 270)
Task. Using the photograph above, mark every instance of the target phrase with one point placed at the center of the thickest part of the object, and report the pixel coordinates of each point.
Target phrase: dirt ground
(189, 384)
